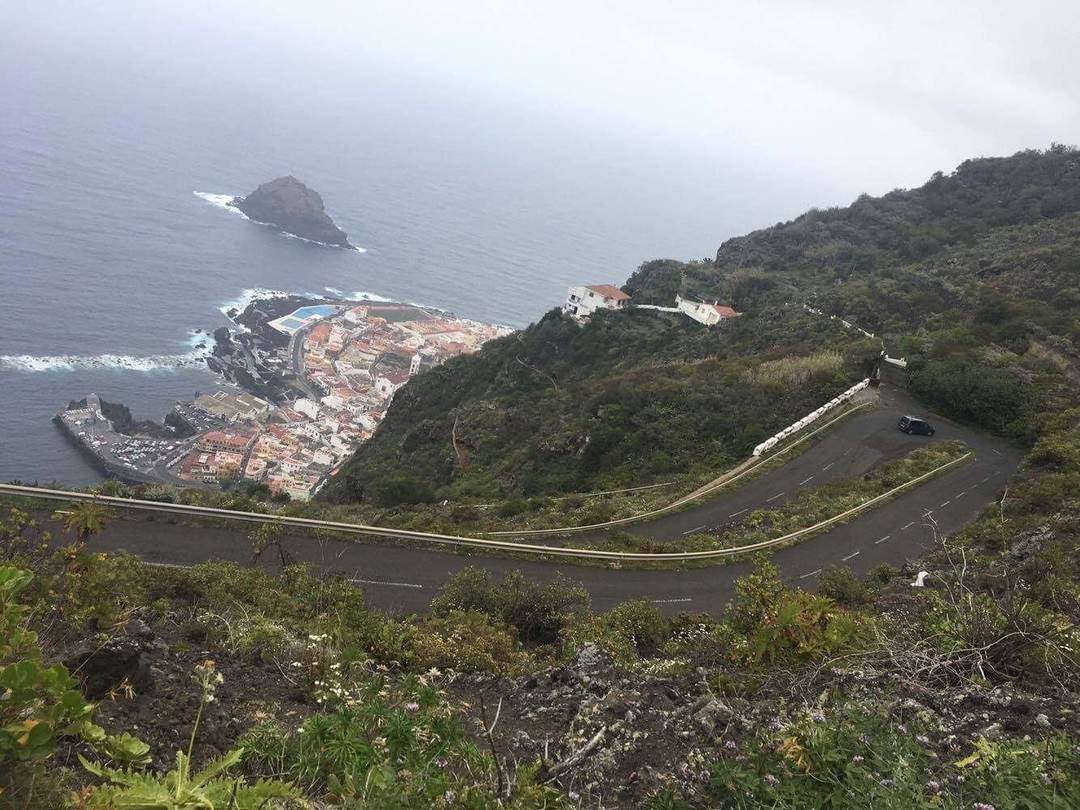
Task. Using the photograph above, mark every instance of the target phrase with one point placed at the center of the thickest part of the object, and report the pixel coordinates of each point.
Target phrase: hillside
(276, 685)
(977, 268)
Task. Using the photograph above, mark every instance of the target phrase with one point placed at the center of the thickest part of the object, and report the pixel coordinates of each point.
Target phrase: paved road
(398, 578)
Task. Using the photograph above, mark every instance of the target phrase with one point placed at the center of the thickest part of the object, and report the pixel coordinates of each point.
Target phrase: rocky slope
(288, 204)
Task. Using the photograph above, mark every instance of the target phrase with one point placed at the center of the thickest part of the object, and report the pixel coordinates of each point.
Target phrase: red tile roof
(725, 312)
(608, 291)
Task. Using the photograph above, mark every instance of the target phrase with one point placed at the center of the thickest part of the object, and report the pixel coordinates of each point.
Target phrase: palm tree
(87, 520)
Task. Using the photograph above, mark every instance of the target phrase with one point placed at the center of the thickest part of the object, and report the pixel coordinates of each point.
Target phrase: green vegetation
(626, 400)
(865, 692)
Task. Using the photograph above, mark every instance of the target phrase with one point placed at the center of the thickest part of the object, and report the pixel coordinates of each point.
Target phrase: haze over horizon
(806, 105)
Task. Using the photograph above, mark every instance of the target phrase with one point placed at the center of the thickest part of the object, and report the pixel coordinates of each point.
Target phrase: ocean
(113, 250)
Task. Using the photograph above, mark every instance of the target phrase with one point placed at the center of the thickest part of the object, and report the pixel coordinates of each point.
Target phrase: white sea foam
(223, 200)
(249, 296)
(368, 296)
(196, 358)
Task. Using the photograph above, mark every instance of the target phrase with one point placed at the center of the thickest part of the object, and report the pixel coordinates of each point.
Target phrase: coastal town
(327, 370)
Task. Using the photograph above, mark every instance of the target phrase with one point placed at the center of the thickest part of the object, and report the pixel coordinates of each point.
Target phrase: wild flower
(983, 806)
(837, 671)
(933, 785)
(573, 796)
(771, 780)
(412, 706)
(922, 739)
(441, 762)
(858, 760)
(774, 724)
(818, 716)
(449, 797)
(731, 745)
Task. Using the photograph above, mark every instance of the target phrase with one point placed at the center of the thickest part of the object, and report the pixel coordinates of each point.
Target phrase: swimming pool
(290, 322)
(321, 310)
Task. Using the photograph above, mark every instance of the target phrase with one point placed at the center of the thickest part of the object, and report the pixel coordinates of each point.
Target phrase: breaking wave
(201, 344)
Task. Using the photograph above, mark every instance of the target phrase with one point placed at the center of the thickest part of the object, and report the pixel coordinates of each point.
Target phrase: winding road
(398, 578)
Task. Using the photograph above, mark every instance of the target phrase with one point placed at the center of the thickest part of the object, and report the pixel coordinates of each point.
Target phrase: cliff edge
(288, 204)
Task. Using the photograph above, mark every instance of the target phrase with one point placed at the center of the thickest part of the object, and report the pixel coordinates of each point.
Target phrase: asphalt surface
(405, 579)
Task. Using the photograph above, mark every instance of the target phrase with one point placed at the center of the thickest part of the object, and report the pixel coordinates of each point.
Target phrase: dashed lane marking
(810, 574)
(959, 495)
(774, 497)
(670, 601)
(998, 452)
(850, 556)
(827, 466)
(985, 480)
(384, 582)
(945, 504)
(908, 526)
(811, 478)
(882, 540)
(695, 529)
(734, 514)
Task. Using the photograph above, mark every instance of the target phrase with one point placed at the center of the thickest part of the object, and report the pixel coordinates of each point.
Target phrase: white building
(308, 407)
(708, 314)
(581, 302)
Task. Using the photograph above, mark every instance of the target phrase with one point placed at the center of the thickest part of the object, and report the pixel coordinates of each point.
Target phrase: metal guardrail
(452, 540)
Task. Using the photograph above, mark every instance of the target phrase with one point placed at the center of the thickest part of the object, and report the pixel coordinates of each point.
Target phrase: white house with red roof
(708, 314)
(581, 302)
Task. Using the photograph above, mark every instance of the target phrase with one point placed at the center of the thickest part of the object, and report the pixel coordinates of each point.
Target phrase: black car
(912, 424)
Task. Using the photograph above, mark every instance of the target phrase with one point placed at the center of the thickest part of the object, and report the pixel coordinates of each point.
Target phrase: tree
(87, 520)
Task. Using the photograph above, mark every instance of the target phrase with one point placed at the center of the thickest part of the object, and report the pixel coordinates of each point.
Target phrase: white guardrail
(453, 540)
(771, 442)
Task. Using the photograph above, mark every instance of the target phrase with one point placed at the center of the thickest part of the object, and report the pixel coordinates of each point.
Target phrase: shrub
(465, 641)
(538, 612)
(38, 704)
(842, 586)
(638, 624)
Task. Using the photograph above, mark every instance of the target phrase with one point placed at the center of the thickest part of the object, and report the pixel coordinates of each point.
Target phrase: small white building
(708, 314)
(308, 407)
(581, 302)
(388, 382)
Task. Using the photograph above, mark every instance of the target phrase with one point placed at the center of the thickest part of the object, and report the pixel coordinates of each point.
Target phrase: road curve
(396, 578)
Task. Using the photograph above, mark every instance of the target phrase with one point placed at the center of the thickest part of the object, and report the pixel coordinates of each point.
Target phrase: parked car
(912, 424)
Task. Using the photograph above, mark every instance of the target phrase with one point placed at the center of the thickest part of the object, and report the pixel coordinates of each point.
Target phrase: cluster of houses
(583, 301)
(356, 359)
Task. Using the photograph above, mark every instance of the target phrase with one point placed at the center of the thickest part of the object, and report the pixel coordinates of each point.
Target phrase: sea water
(115, 244)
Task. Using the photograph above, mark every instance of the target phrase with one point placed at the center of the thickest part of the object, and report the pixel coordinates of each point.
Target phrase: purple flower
(983, 806)
(449, 797)
(441, 762)
(771, 780)
(902, 728)
(412, 706)
(922, 739)
(731, 745)
(837, 671)
(818, 716)
(857, 759)
(573, 796)
(774, 725)
(933, 785)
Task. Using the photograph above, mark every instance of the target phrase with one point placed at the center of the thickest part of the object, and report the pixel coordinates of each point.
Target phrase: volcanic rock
(292, 207)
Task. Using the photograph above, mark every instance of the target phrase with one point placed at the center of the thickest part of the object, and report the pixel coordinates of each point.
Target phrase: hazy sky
(845, 96)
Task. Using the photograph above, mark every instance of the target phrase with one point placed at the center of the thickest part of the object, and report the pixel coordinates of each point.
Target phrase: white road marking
(997, 451)
(847, 451)
(985, 480)
(883, 539)
(810, 574)
(669, 601)
(827, 466)
(945, 504)
(811, 478)
(908, 526)
(849, 556)
(774, 497)
(691, 531)
(733, 514)
(959, 495)
(384, 582)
